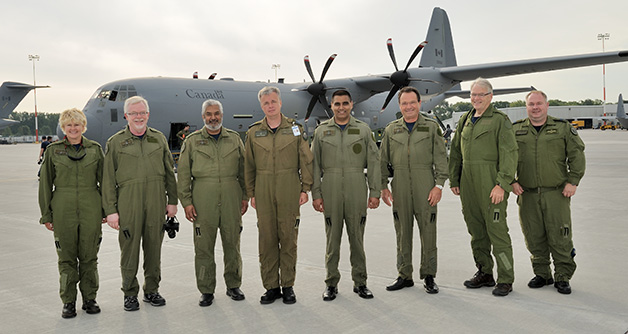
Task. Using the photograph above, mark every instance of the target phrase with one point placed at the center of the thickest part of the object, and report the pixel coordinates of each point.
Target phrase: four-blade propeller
(400, 79)
(318, 89)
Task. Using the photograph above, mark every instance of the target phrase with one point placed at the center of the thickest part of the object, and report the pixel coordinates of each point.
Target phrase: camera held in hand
(171, 226)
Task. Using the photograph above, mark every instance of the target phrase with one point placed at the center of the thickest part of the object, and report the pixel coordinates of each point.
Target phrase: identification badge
(296, 131)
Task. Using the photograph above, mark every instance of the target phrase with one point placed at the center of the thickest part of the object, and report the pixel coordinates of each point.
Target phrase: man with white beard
(212, 192)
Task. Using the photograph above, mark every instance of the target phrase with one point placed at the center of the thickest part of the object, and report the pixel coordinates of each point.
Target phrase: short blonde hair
(72, 116)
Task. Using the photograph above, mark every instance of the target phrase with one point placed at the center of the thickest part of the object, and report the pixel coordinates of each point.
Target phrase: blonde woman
(70, 204)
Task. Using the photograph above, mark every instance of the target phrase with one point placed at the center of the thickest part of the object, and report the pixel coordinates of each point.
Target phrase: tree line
(47, 123)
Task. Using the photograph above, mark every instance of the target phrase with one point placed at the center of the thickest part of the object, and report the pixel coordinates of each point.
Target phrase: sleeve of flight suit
(507, 146)
(171, 181)
(241, 168)
(576, 161)
(184, 175)
(384, 159)
(455, 154)
(316, 166)
(305, 163)
(109, 191)
(46, 180)
(440, 157)
(249, 165)
(373, 168)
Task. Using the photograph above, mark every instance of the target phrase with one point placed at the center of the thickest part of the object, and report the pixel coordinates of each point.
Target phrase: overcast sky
(85, 44)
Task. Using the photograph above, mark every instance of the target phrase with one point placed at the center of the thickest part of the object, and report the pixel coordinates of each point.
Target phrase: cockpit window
(118, 93)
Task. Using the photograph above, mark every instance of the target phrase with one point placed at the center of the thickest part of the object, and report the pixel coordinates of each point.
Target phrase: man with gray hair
(278, 175)
(211, 190)
(482, 165)
(138, 187)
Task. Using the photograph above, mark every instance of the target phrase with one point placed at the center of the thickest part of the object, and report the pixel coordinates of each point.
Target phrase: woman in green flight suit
(70, 204)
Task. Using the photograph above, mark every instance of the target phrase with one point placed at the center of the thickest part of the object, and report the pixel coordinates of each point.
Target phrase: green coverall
(138, 183)
(277, 168)
(419, 161)
(211, 177)
(340, 157)
(69, 198)
(548, 159)
(483, 155)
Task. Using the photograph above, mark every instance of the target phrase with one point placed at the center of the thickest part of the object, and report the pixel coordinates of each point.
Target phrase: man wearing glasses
(482, 165)
(138, 188)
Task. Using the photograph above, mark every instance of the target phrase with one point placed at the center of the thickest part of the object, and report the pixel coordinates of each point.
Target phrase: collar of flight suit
(352, 122)
(284, 123)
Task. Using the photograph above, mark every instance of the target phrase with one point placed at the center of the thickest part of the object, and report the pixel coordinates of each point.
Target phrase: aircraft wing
(465, 94)
(507, 68)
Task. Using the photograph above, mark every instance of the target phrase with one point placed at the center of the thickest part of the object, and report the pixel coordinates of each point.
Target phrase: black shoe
(206, 299)
(270, 296)
(502, 289)
(131, 303)
(539, 282)
(363, 291)
(429, 284)
(330, 293)
(399, 284)
(69, 310)
(235, 294)
(154, 299)
(479, 280)
(563, 287)
(91, 306)
(288, 295)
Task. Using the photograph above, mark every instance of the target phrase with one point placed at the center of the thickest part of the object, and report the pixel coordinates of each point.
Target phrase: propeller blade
(323, 100)
(392, 93)
(391, 52)
(415, 53)
(327, 65)
(308, 67)
(310, 107)
(212, 76)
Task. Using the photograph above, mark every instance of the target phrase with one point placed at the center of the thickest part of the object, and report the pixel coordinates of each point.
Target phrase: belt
(539, 190)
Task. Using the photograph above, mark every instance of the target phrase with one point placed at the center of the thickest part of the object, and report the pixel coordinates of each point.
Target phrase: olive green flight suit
(138, 183)
(211, 177)
(340, 157)
(69, 198)
(548, 159)
(419, 161)
(277, 168)
(483, 155)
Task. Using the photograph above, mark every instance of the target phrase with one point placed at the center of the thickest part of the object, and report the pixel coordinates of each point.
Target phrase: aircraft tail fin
(11, 94)
(621, 112)
(439, 51)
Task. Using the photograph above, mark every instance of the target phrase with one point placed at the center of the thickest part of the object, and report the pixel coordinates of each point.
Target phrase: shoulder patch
(574, 131)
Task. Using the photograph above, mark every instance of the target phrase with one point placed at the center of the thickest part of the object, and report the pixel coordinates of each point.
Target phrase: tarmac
(29, 300)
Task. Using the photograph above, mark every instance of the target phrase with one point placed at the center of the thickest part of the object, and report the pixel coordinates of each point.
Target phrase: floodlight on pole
(33, 58)
(603, 37)
(275, 67)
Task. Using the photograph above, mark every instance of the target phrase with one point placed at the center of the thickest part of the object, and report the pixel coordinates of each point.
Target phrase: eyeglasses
(141, 113)
(481, 95)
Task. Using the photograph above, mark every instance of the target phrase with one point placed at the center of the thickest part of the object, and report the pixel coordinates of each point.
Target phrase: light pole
(33, 58)
(275, 67)
(603, 37)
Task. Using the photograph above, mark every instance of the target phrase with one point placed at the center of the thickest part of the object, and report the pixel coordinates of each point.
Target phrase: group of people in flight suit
(130, 186)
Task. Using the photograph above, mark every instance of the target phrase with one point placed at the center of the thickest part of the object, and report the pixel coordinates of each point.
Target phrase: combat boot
(479, 280)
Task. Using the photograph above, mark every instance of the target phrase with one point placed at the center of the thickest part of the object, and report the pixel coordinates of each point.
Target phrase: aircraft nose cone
(94, 129)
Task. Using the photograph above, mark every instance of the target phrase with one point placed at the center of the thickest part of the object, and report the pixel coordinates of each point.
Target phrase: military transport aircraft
(11, 94)
(177, 101)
